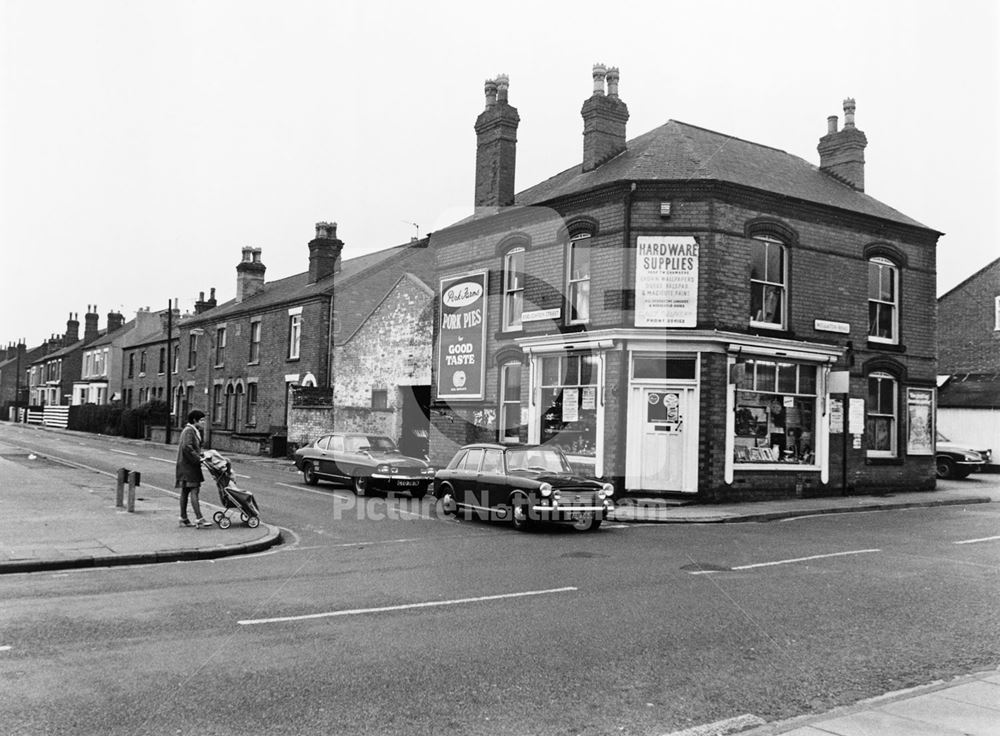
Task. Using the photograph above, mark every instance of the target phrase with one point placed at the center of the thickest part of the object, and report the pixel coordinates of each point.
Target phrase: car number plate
(406, 482)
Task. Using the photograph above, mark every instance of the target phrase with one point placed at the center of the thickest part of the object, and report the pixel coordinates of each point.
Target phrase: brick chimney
(90, 331)
(324, 252)
(842, 153)
(72, 329)
(115, 321)
(604, 119)
(496, 146)
(249, 274)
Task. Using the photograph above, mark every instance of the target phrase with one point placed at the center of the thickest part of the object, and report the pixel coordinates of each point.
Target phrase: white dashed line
(4, 649)
(806, 559)
(123, 452)
(976, 541)
(404, 607)
(161, 460)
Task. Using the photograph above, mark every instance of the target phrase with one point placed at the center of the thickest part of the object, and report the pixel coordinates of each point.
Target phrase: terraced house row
(684, 313)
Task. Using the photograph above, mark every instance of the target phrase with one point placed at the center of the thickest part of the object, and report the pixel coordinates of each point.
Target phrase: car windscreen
(380, 444)
(537, 459)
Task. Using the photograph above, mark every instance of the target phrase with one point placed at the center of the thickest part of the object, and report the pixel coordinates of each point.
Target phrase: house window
(230, 407)
(996, 313)
(380, 398)
(569, 401)
(142, 363)
(880, 419)
(513, 289)
(251, 404)
(131, 365)
(775, 413)
(188, 400)
(192, 351)
(883, 300)
(578, 282)
(175, 363)
(216, 403)
(294, 335)
(510, 402)
(767, 283)
(254, 342)
(220, 346)
(163, 361)
(88, 365)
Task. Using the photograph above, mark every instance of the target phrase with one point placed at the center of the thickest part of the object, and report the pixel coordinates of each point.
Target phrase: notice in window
(571, 405)
(666, 281)
(589, 398)
(920, 427)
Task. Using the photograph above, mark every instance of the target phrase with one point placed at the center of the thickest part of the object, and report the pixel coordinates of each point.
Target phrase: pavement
(56, 516)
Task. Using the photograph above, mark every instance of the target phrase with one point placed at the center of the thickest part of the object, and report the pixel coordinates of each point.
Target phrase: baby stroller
(232, 497)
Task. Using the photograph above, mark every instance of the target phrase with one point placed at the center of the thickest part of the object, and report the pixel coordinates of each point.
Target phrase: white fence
(56, 416)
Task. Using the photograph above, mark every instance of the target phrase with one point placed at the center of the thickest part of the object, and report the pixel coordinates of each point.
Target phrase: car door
(335, 448)
(467, 477)
(321, 457)
(491, 481)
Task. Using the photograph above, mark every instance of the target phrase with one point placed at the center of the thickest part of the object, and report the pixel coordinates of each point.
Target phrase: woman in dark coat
(189, 475)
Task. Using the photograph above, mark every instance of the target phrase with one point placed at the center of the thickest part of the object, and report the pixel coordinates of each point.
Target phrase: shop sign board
(666, 281)
(462, 337)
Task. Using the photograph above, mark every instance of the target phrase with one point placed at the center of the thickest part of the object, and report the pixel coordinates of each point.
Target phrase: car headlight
(427, 471)
(606, 490)
(545, 489)
(383, 468)
(973, 457)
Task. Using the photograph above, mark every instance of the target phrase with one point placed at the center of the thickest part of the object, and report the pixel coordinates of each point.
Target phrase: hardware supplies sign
(462, 337)
(666, 281)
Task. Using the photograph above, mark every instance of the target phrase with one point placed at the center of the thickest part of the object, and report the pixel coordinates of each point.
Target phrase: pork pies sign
(462, 337)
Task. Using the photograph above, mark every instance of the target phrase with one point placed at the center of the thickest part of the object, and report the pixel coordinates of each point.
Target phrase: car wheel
(446, 496)
(519, 515)
(946, 468)
(360, 483)
(309, 475)
(586, 521)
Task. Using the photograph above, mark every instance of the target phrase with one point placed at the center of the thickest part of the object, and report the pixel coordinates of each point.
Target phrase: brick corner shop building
(689, 314)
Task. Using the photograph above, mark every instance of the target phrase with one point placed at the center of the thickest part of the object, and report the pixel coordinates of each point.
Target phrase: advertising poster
(920, 424)
(462, 337)
(666, 281)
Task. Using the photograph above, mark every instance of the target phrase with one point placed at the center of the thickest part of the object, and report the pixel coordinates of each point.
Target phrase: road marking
(332, 492)
(806, 559)
(722, 728)
(976, 541)
(123, 452)
(404, 607)
(160, 459)
(5, 649)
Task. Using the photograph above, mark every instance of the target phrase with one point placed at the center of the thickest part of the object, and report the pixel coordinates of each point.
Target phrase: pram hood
(215, 462)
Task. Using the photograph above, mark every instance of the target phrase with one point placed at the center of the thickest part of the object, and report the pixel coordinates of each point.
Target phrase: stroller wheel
(243, 517)
(253, 522)
(225, 522)
(217, 517)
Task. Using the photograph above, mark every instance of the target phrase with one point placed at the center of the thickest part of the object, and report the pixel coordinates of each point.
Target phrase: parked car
(957, 460)
(525, 483)
(366, 462)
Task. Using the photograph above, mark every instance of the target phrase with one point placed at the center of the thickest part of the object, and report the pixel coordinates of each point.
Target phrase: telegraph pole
(170, 367)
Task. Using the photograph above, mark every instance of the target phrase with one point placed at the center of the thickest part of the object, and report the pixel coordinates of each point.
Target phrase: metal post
(120, 488)
(17, 383)
(134, 478)
(169, 368)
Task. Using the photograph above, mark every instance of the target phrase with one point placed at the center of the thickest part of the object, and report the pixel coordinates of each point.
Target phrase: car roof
(498, 446)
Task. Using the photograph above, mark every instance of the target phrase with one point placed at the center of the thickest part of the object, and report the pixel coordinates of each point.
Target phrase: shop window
(510, 402)
(883, 300)
(578, 281)
(775, 413)
(569, 403)
(513, 289)
(768, 289)
(881, 419)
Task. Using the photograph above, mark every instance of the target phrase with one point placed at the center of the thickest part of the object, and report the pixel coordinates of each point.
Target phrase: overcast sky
(144, 144)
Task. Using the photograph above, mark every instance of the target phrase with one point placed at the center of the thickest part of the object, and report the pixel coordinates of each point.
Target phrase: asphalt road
(383, 618)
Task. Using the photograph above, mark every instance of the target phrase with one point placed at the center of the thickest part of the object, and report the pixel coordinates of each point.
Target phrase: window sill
(776, 466)
(253, 362)
(292, 360)
(892, 347)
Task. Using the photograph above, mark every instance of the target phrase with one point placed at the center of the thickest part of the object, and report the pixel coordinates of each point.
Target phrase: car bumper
(394, 482)
(570, 512)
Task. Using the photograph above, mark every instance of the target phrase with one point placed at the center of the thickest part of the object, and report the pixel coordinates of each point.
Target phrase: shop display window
(569, 403)
(775, 413)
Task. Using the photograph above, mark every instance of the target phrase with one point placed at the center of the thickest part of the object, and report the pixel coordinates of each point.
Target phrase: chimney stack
(72, 329)
(249, 274)
(842, 153)
(90, 331)
(324, 252)
(496, 146)
(115, 321)
(604, 119)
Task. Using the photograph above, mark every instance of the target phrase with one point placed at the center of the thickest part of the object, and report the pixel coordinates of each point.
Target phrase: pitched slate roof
(991, 266)
(678, 151)
(971, 391)
(297, 288)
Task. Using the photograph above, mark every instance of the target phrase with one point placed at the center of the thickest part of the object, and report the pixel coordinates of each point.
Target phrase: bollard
(120, 488)
(134, 478)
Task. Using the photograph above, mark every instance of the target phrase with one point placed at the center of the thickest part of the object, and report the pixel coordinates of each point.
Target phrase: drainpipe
(628, 281)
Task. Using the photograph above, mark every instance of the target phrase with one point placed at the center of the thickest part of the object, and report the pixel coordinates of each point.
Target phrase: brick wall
(968, 341)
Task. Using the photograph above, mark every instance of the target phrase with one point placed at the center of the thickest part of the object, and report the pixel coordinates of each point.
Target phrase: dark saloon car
(957, 460)
(525, 483)
(364, 461)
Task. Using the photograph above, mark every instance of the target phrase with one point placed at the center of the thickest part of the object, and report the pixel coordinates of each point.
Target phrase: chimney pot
(600, 72)
(326, 231)
(613, 77)
(503, 84)
(831, 124)
(849, 112)
(491, 92)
